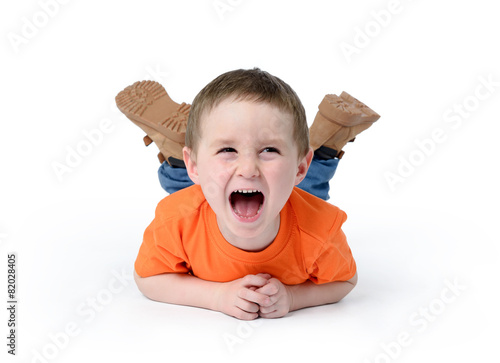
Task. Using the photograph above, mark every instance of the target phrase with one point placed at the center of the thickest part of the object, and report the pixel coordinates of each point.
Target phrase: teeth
(247, 191)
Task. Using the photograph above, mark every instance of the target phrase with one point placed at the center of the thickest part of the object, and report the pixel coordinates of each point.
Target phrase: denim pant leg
(173, 179)
(316, 181)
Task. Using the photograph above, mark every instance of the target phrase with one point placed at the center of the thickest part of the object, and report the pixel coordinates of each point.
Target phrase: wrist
(300, 295)
(216, 300)
(292, 298)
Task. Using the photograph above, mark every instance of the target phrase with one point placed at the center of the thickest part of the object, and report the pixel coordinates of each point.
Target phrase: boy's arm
(310, 294)
(285, 298)
(237, 298)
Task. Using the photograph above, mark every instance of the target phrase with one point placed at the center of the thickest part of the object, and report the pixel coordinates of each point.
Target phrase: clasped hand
(253, 296)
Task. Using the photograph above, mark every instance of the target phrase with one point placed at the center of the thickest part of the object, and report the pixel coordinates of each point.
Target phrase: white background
(63, 64)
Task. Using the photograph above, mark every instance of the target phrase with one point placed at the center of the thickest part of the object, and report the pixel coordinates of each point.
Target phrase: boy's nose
(247, 167)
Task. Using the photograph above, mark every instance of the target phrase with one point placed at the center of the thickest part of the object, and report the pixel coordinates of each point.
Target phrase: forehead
(247, 117)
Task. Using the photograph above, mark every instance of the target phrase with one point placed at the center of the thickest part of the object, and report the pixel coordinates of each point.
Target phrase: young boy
(244, 240)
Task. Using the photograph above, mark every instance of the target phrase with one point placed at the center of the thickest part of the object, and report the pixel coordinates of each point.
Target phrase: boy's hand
(239, 298)
(280, 299)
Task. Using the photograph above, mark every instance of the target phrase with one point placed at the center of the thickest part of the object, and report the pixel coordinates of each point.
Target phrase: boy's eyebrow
(219, 142)
(267, 141)
(273, 141)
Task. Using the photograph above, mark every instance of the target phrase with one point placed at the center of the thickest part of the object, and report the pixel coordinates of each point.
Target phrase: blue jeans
(316, 181)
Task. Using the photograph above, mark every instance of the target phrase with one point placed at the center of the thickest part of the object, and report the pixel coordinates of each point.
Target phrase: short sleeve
(161, 250)
(334, 260)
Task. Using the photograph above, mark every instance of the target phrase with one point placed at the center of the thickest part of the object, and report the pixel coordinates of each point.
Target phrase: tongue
(246, 205)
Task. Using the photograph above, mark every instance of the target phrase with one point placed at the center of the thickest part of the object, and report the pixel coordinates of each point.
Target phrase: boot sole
(346, 110)
(336, 114)
(148, 103)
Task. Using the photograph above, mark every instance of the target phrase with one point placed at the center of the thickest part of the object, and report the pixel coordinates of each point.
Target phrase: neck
(250, 243)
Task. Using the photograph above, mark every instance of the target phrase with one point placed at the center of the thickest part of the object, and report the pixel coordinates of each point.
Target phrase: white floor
(425, 294)
(78, 187)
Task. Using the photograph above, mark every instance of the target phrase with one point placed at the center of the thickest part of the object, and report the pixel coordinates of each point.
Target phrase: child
(244, 240)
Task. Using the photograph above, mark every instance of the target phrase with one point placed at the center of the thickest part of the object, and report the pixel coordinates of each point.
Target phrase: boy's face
(247, 164)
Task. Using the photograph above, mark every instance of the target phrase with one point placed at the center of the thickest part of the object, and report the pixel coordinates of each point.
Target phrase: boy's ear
(190, 162)
(304, 166)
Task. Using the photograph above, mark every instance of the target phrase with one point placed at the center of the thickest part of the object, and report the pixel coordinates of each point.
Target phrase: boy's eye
(270, 150)
(226, 150)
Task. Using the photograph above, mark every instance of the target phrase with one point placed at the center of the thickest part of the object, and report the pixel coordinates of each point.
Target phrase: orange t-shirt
(184, 238)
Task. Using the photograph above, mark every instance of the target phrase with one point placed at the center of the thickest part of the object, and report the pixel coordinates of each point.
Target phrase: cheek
(212, 192)
(215, 176)
(283, 177)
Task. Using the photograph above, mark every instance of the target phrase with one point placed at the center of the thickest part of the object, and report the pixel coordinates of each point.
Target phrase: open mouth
(247, 204)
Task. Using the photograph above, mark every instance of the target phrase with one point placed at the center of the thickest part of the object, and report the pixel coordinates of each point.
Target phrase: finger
(254, 296)
(272, 299)
(254, 280)
(248, 306)
(267, 309)
(244, 315)
(264, 275)
(268, 289)
(272, 315)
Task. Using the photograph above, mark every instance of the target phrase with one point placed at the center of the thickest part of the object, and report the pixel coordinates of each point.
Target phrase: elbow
(353, 280)
(141, 284)
(350, 285)
(157, 287)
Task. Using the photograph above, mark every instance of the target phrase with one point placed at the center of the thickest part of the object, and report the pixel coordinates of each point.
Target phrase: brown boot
(339, 120)
(148, 105)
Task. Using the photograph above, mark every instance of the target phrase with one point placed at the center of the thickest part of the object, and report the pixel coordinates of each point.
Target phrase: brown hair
(252, 84)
